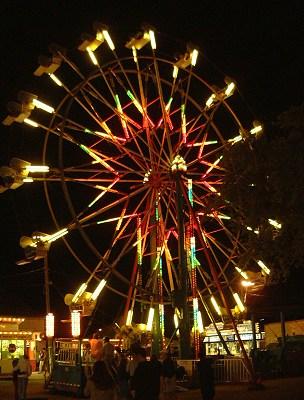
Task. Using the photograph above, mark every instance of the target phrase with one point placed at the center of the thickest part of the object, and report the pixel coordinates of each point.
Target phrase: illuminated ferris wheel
(133, 167)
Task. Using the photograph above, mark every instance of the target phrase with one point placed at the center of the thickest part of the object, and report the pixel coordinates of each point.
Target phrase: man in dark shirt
(145, 383)
(206, 378)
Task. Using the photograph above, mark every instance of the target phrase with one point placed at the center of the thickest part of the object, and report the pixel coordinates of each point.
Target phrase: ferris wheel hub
(178, 164)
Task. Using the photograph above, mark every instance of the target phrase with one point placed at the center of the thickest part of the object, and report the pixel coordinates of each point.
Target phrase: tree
(266, 184)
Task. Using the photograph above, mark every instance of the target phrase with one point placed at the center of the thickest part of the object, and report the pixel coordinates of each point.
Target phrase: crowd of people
(112, 374)
(116, 375)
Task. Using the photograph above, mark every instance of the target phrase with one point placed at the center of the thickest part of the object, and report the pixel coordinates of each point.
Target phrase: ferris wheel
(133, 158)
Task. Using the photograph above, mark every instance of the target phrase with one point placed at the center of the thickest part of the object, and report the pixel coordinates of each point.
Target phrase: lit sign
(231, 338)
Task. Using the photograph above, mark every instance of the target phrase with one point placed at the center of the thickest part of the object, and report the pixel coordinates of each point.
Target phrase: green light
(130, 95)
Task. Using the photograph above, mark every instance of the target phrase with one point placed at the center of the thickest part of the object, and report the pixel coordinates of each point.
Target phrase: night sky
(259, 44)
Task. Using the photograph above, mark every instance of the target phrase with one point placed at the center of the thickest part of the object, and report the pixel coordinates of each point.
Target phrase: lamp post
(36, 248)
(49, 330)
(76, 329)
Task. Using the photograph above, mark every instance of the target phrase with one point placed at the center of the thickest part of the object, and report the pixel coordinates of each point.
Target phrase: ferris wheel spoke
(135, 212)
(215, 256)
(151, 129)
(116, 110)
(184, 98)
(89, 109)
(169, 203)
(79, 89)
(83, 79)
(223, 249)
(234, 237)
(148, 123)
(158, 154)
(111, 205)
(125, 250)
(188, 87)
(117, 140)
(215, 152)
(134, 100)
(124, 72)
(170, 267)
(227, 282)
(82, 132)
(162, 104)
(171, 271)
(121, 227)
(69, 62)
(206, 282)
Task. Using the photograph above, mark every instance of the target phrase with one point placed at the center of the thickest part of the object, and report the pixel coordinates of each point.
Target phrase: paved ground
(280, 389)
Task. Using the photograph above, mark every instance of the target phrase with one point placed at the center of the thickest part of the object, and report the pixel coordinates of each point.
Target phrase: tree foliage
(266, 181)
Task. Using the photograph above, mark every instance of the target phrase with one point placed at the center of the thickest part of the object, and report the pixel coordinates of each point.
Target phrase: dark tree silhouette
(266, 181)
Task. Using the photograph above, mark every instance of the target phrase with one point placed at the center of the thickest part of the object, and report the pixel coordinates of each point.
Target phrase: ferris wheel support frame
(246, 359)
(182, 296)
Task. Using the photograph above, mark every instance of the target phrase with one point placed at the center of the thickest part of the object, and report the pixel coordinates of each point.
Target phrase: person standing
(15, 378)
(96, 346)
(107, 351)
(87, 360)
(101, 384)
(156, 363)
(23, 369)
(169, 368)
(123, 378)
(42, 357)
(206, 377)
(145, 383)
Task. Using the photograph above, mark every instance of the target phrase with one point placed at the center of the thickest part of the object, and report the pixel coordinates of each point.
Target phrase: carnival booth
(214, 345)
(19, 335)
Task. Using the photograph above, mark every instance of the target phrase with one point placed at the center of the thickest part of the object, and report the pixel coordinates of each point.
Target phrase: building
(214, 345)
(20, 335)
(273, 331)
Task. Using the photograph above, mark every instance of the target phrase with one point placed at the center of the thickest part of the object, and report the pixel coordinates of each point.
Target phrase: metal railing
(67, 356)
(226, 370)
(230, 370)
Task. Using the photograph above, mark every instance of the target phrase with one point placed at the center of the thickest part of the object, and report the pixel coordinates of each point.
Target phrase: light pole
(43, 248)
(36, 248)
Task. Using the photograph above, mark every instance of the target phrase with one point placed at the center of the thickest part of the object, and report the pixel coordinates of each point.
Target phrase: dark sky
(259, 44)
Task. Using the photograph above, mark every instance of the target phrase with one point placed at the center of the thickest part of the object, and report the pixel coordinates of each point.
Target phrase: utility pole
(36, 249)
(46, 282)
(42, 251)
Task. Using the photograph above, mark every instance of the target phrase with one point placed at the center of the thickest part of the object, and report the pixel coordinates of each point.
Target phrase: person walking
(101, 384)
(23, 370)
(206, 376)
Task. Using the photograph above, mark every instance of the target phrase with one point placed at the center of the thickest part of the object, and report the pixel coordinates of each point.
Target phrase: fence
(226, 370)
(230, 370)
